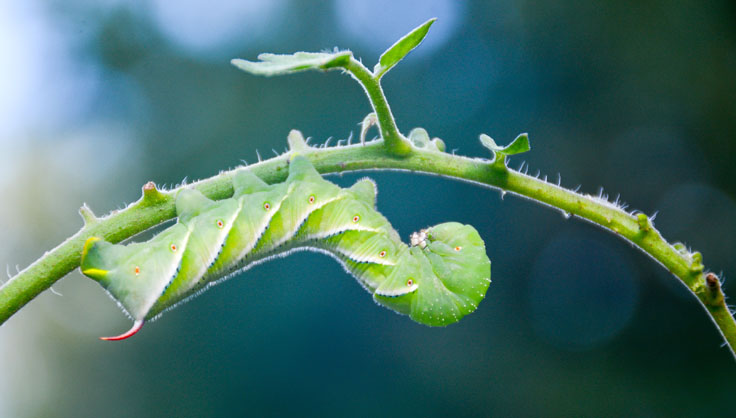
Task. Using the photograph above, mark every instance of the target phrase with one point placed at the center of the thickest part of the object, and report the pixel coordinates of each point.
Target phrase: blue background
(637, 97)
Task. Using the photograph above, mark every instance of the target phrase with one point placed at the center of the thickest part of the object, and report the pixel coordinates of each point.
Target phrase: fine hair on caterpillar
(438, 279)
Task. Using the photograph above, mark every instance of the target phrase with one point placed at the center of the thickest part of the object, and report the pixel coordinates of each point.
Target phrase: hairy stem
(395, 143)
(156, 207)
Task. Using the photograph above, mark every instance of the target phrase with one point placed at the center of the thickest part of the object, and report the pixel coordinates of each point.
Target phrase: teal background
(96, 98)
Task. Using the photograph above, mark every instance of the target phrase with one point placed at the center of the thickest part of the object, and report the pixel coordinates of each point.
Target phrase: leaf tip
(238, 62)
(519, 144)
(401, 48)
(489, 143)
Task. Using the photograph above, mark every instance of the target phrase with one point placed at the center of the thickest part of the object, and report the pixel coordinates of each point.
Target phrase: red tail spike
(137, 325)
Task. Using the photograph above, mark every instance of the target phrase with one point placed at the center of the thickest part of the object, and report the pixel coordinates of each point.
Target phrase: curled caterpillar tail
(437, 280)
(444, 278)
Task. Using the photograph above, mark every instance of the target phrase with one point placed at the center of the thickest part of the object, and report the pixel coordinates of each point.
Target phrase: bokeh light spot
(206, 30)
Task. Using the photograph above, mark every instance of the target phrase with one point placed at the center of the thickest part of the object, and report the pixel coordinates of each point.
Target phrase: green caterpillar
(437, 280)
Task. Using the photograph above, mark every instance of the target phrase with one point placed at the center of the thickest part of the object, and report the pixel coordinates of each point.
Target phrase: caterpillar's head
(442, 277)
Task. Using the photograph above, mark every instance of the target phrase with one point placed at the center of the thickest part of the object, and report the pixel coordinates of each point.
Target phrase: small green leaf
(420, 139)
(489, 143)
(517, 146)
(401, 48)
(277, 64)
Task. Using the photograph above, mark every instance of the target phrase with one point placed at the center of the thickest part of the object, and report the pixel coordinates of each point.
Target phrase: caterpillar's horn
(137, 325)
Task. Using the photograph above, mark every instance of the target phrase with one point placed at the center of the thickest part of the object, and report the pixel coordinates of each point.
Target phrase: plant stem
(146, 213)
(395, 143)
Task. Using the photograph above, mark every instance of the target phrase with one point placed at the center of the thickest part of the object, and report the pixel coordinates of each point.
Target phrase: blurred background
(98, 97)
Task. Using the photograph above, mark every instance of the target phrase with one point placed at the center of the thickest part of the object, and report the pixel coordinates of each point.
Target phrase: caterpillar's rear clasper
(437, 280)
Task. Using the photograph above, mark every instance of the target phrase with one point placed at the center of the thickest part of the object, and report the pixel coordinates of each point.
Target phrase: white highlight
(339, 230)
(398, 292)
(373, 259)
(419, 239)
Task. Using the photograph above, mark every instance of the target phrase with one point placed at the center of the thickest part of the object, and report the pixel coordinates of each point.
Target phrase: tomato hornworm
(439, 278)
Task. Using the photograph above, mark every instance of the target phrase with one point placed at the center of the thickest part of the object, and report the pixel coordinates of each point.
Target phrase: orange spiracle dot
(220, 224)
(311, 199)
(382, 254)
(409, 283)
(267, 206)
(356, 218)
(458, 248)
(173, 247)
(137, 270)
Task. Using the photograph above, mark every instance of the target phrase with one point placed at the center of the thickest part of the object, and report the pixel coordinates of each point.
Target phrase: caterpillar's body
(438, 280)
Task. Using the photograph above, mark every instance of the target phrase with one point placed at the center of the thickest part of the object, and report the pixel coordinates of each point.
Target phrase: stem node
(714, 296)
(645, 224)
(696, 266)
(499, 162)
(296, 141)
(87, 215)
(151, 195)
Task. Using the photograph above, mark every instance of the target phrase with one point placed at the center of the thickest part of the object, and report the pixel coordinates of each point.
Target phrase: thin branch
(395, 142)
(154, 208)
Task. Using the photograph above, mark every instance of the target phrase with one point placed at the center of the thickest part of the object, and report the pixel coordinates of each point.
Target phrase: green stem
(395, 143)
(150, 211)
